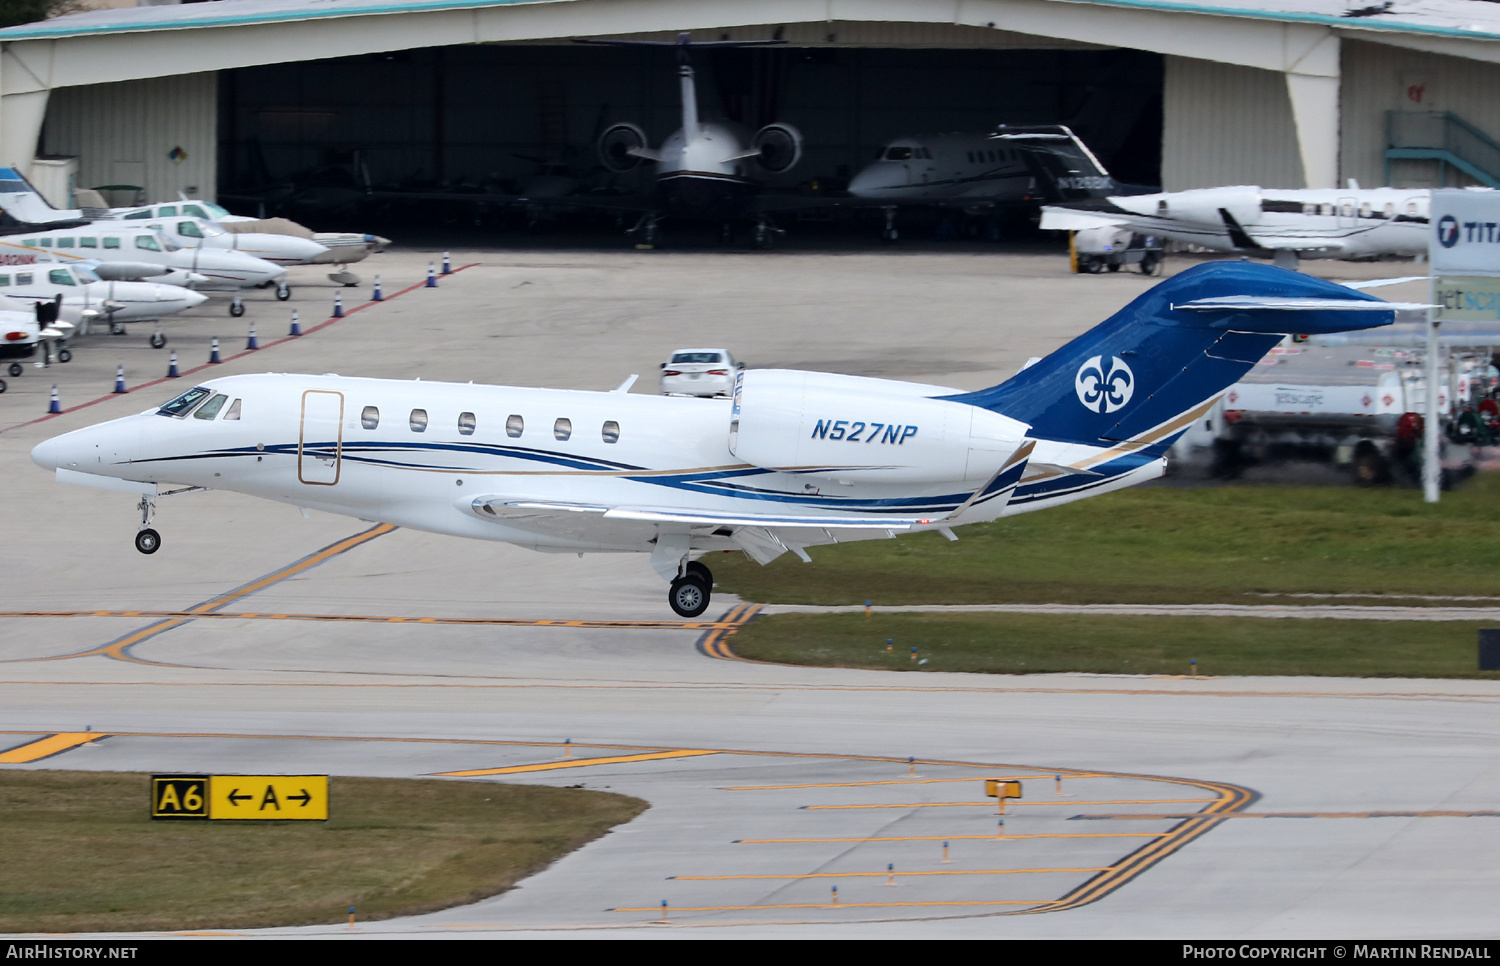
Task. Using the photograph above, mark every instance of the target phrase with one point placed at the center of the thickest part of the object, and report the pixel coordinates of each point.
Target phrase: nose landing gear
(147, 540)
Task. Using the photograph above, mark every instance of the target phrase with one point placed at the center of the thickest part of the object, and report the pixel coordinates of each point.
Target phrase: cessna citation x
(1284, 225)
(794, 459)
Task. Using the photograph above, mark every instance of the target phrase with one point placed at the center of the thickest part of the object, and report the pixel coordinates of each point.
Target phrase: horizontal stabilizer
(1248, 303)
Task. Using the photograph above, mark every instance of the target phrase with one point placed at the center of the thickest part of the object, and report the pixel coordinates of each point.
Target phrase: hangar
(218, 98)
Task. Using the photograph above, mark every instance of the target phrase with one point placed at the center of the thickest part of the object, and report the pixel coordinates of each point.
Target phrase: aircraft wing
(1068, 219)
(503, 507)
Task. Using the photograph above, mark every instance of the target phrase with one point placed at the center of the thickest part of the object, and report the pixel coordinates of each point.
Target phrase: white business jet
(793, 460)
(1015, 165)
(85, 296)
(1282, 224)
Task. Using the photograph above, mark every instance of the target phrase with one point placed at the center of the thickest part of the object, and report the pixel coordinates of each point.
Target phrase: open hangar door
(330, 140)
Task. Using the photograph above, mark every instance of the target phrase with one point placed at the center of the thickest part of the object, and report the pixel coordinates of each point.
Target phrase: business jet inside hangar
(1013, 166)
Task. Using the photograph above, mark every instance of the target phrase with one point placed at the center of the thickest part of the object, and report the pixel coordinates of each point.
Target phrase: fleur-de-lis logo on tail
(1105, 386)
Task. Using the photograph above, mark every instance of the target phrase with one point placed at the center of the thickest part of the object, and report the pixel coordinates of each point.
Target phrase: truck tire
(1369, 465)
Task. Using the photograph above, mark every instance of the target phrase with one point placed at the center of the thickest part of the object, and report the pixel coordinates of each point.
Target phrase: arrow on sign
(235, 797)
(304, 798)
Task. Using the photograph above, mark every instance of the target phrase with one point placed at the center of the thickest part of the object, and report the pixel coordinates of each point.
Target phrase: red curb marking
(243, 352)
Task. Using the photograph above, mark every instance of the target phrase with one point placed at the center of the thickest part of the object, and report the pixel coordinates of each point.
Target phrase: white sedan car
(699, 372)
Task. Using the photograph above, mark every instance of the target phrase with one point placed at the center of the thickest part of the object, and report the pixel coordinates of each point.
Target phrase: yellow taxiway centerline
(573, 763)
(50, 745)
(905, 781)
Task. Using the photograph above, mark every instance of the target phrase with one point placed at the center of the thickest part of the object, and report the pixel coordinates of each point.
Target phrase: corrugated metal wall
(161, 134)
(1225, 125)
(1378, 78)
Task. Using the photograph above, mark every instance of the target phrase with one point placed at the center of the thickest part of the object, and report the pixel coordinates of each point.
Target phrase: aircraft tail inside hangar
(451, 91)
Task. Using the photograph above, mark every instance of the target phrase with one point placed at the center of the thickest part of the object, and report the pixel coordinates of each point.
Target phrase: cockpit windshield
(898, 152)
(147, 243)
(183, 404)
(60, 276)
(216, 212)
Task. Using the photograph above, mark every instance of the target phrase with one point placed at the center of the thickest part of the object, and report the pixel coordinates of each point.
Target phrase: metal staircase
(1444, 137)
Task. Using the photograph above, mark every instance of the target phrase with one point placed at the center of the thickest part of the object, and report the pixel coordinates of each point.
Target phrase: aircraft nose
(49, 454)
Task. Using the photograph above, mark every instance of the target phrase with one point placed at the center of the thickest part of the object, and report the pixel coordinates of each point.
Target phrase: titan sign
(1465, 232)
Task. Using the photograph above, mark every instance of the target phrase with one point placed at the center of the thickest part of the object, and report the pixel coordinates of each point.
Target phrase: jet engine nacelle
(1202, 206)
(853, 429)
(615, 145)
(780, 147)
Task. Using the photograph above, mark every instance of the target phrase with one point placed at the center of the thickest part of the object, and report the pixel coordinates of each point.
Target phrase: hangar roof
(1446, 18)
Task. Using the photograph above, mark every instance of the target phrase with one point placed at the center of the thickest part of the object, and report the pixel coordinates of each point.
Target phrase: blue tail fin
(1161, 360)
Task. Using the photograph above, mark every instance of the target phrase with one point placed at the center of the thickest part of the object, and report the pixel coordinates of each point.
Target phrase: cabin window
(1308, 208)
(46, 243)
(1325, 209)
(195, 211)
(167, 211)
(611, 431)
(1364, 210)
(188, 230)
(514, 426)
(139, 214)
(4, 281)
(1390, 209)
(466, 424)
(181, 405)
(60, 276)
(971, 156)
(563, 428)
(369, 417)
(65, 243)
(1411, 207)
(1347, 210)
(419, 420)
(24, 278)
(88, 243)
(147, 242)
(234, 411)
(111, 243)
(211, 408)
(30, 242)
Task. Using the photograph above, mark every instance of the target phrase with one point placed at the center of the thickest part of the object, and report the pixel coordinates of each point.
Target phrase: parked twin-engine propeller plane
(793, 460)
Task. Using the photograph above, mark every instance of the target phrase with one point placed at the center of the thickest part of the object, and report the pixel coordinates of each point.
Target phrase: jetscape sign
(1465, 236)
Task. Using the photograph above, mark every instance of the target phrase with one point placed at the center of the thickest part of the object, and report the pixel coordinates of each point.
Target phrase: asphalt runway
(258, 641)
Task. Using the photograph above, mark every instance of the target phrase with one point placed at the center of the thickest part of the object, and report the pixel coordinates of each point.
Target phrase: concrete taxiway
(257, 641)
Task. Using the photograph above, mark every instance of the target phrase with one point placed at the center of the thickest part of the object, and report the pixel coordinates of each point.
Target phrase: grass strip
(1037, 643)
(1164, 544)
(81, 854)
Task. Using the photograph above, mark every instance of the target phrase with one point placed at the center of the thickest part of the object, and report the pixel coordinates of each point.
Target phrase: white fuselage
(311, 441)
(1312, 222)
(945, 167)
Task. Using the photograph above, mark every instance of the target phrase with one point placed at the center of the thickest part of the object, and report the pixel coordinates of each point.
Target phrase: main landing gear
(690, 592)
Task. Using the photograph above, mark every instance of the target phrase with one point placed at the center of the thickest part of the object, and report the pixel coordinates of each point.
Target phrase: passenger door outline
(313, 464)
